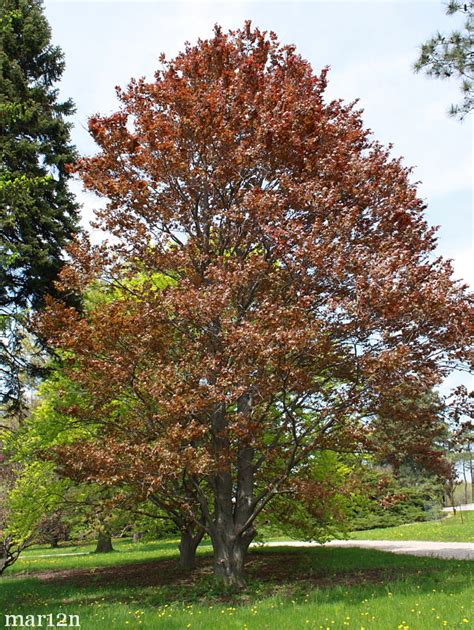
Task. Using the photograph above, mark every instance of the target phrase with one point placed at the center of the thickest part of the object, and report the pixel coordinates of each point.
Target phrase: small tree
(11, 545)
(53, 529)
(304, 306)
(28, 494)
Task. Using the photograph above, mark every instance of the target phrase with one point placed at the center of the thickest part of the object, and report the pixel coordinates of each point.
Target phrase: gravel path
(456, 550)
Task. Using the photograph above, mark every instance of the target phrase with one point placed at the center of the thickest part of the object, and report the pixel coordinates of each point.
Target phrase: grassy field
(459, 528)
(82, 556)
(138, 586)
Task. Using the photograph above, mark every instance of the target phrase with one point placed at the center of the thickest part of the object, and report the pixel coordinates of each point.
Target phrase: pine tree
(38, 214)
(445, 56)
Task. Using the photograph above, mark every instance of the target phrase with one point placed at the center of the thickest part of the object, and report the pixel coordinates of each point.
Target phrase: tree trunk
(137, 536)
(464, 474)
(187, 548)
(9, 552)
(229, 558)
(104, 542)
(4, 559)
(471, 472)
(231, 528)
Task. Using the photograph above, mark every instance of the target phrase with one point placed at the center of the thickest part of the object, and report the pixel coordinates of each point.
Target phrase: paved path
(458, 551)
(467, 507)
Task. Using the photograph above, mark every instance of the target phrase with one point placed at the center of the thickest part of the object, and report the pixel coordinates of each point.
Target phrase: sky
(369, 46)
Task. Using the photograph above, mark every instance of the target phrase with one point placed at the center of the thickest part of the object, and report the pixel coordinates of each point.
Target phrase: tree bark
(9, 552)
(229, 558)
(104, 542)
(231, 528)
(471, 472)
(464, 474)
(187, 548)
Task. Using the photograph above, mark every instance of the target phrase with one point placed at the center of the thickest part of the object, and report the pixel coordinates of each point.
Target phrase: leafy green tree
(445, 56)
(317, 504)
(26, 495)
(38, 213)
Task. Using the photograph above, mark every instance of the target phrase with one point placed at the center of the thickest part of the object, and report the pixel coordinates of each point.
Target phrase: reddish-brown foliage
(306, 302)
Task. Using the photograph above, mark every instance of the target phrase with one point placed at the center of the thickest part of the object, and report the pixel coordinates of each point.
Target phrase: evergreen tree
(444, 56)
(38, 214)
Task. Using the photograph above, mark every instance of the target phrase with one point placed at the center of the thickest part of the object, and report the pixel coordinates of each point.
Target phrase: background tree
(445, 56)
(388, 497)
(54, 529)
(304, 302)
(38, 213)
(11, 546)
(316, 505)
(337, 493)
(460, 444)
(27, 495)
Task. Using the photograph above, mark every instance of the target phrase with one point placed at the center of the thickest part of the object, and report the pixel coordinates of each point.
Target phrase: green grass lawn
(82, 556)
(138, 586)
(459, 528)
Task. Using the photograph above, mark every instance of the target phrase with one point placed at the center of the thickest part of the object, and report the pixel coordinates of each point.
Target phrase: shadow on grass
(329, 575)
(122, 545)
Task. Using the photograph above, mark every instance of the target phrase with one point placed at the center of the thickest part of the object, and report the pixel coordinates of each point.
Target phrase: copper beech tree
(304, 303)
